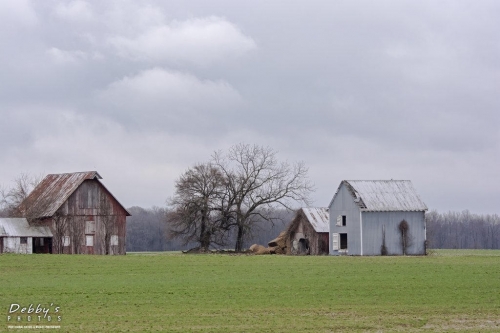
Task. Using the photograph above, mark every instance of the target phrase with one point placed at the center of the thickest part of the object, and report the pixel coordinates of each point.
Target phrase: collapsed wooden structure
(306, 234)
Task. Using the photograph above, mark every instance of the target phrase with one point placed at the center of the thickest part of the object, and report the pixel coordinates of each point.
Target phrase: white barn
(366, 218)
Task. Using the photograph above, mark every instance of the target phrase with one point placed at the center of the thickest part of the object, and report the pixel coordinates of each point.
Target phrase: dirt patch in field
(463, 324)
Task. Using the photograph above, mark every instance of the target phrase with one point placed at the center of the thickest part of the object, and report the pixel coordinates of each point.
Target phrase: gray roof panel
(54, 190)
(19, 227)
(385, 195)
(318, 217)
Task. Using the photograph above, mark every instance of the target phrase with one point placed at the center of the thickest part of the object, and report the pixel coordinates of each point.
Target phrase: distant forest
(148, 231)
(462, 230)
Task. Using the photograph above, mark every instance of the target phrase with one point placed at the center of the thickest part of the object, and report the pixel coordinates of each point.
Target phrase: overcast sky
(142, 90)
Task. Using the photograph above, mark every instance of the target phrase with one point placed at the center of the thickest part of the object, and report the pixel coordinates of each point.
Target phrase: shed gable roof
(318, 217)
(55, 189)
(19, 227)
(384, 195)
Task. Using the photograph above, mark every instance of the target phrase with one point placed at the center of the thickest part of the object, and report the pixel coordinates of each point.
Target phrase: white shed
(18, 236)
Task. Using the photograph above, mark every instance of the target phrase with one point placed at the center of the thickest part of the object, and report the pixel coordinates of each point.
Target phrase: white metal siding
(373, 223)
(344, 204)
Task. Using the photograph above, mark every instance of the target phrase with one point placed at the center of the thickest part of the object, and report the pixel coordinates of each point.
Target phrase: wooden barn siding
(323, 238)
(372, 232)
(344, 205)
(318, 242)
(83, 205)
(300, 224)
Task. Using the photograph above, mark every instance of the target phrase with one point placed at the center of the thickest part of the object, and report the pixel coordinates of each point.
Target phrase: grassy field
(446, 291)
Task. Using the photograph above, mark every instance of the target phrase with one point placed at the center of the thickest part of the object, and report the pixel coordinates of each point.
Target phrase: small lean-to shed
(308, 232)
(377, 217)
(84, 217)
(18, 236)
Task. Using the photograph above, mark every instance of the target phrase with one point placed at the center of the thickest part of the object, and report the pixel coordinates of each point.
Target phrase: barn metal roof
(384, 195)
(19, 227)
(318, 217)
(54, 190)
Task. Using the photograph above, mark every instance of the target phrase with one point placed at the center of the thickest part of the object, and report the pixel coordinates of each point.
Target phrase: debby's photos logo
(34, 313)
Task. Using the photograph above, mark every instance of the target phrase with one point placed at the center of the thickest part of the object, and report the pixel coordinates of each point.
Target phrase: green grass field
(446, 291)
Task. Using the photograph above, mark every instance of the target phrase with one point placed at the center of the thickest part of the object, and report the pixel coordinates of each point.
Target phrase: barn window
(88, 195)
(89, 240)
(343, 241)
(114, 240)
(65, 240)
(341, 221)
(90, 227)
(24, 240)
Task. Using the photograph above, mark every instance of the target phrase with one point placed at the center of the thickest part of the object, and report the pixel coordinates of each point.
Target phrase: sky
(142, 90)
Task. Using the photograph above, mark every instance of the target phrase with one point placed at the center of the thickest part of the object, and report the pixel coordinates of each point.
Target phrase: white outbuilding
(18, 236)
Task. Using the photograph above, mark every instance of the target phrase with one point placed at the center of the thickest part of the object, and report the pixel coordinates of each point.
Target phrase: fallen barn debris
(306, 234)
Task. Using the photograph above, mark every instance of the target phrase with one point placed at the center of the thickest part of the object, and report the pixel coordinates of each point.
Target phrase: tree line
(462, 230)
(147, 230)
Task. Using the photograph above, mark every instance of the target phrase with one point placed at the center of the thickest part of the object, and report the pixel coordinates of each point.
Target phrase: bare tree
(160, 216)
(60, 223)
(257, 183)
(76, 228)
(11, 198)
(107, 220)
(406, 239)
(197, 209)
(383, 247)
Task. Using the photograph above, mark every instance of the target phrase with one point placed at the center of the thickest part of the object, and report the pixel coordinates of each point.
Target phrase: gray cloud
(199, 41)
(171, 101)
(358, 90)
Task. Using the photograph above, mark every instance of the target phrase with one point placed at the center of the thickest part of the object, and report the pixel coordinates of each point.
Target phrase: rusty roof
(54, 190)
(19, 227)
(384, 195)
(318, 217)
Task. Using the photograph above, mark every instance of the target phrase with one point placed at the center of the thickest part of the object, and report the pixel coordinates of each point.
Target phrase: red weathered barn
(82, 214)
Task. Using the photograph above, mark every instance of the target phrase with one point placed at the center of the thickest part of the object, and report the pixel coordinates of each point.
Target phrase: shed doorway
(42, 245)
(303, 247)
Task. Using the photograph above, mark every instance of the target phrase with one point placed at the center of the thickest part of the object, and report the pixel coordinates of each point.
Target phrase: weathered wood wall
(86, 210)
(301, 228)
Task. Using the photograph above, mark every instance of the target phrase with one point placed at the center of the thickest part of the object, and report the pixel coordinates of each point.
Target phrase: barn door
(1, 245)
